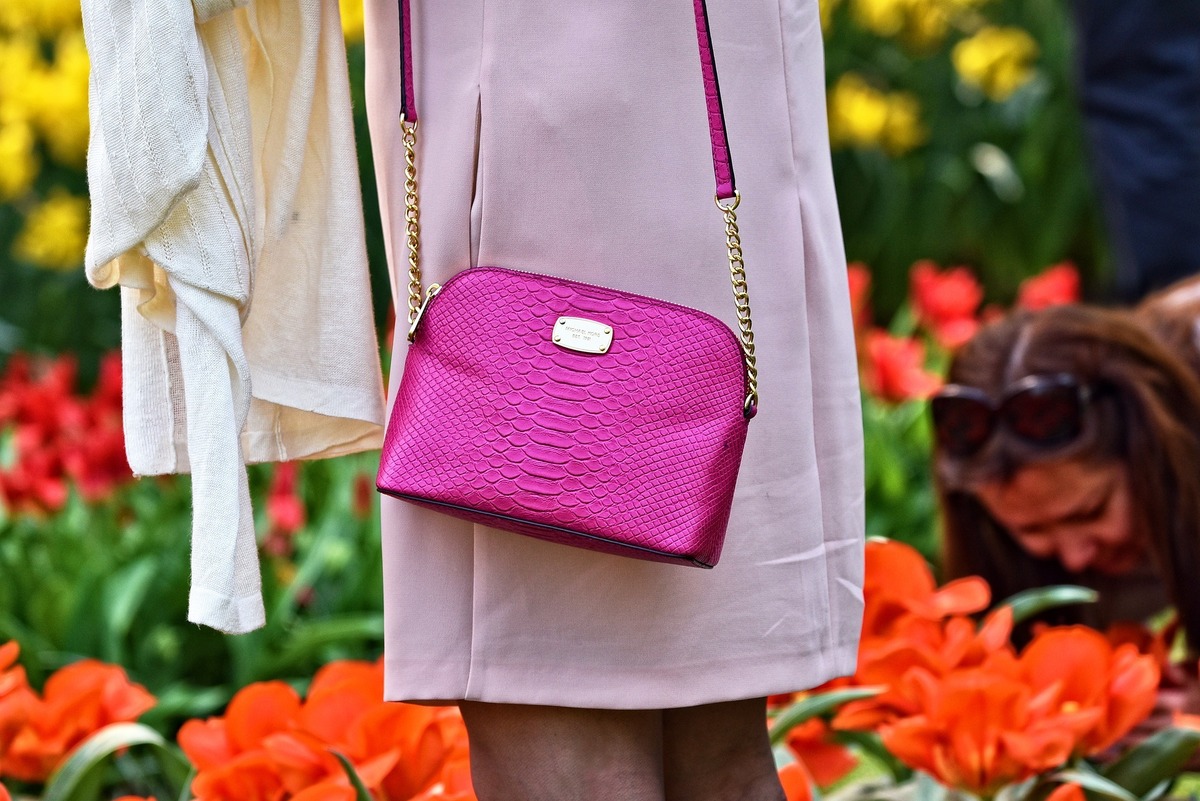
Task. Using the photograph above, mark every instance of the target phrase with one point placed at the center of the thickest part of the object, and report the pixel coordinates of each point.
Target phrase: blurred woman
(1068, 451)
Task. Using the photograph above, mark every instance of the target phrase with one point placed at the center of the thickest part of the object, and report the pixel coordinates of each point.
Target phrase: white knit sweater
(226, 204)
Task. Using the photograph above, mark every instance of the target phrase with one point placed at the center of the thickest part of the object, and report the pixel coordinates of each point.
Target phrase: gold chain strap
(412, 220)
(417, 302)
(741, 296)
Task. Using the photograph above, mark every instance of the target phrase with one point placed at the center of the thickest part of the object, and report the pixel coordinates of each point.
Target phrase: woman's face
(1079, 513)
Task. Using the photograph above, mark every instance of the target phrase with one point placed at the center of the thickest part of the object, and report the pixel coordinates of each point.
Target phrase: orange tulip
(916, 644)
(897, 580)
(78, 700)
(909, 623)
(17, 700)
(1085, 671)
(272, 746)
(4, 796)
(824, 760)
(797, 783)
(981, 728)
(1067, 792)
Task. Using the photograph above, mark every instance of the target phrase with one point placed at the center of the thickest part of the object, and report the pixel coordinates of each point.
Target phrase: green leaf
(185, 791)
(355, 781)
(1160, 756)
(1037, 600)
(309, 638)
(1096, 783)
(71, 780)
(871, 746)
(1159, 790)
(814, 705)
(126, 593)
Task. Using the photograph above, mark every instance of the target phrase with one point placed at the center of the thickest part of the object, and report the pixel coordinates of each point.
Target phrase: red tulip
(946, 301)
(894, 370)
(59, 436)
(859, 279)
(1054, 286)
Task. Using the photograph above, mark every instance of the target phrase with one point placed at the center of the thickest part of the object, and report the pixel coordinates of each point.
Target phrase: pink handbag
(571, 412)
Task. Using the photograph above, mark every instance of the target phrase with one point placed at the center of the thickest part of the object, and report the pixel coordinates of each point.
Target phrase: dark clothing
(1139, 84)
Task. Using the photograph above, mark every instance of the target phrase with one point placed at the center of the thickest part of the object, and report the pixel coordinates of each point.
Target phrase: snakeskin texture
(634, 451)
(722, 161)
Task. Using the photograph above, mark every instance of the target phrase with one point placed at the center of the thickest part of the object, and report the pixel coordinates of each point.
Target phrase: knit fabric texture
(226, 205)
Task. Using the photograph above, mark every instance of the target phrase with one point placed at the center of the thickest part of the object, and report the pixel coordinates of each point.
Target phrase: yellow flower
(55, 233)
(18, 163)
(927, 24)
(997, 60)
(903, 130)
(61, 107)
(881, 17)
(352, 20)
(920, 24)
(862, 116)
(21, 68)
(45, 17)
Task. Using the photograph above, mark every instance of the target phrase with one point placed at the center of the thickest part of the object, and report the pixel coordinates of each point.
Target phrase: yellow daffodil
(881, 17)
(862, 116)
(46, 18)
(352, 20)
(18, 162)
(55, 233)
(903, 130)
(21, 67)
(61, 107)
(996, 60)
(919, 24)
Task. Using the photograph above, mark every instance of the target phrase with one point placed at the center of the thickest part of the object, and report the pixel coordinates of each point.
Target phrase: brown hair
(1173, 316)
(1145, 412)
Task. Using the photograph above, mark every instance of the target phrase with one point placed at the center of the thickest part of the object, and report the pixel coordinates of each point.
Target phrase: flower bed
(940, 701)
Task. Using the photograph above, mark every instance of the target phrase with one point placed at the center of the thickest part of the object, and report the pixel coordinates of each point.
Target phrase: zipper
(435, 289)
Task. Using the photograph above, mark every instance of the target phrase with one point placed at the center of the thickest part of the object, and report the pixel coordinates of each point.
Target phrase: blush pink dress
(570, 138)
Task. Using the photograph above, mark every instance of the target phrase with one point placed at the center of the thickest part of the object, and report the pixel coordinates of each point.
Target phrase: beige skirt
(570, 138)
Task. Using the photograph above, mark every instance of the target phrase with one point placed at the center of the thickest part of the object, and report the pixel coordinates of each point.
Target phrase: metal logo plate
(583, 335)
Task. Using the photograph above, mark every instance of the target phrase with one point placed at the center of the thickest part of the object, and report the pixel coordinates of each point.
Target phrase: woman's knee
(529, 753)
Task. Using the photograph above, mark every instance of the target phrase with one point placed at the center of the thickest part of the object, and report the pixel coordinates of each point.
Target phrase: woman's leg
(544, 753)
(719, 752)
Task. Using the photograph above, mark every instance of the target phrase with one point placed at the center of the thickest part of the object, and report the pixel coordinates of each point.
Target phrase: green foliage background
(999, 185)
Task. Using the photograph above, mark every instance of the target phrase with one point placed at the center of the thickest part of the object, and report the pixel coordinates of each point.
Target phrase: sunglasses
(1043, 410)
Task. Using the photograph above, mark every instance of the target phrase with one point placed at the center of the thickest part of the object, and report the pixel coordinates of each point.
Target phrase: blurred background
(955, 132)
(964, 189)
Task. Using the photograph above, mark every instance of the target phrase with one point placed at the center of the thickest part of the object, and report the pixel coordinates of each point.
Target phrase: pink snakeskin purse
(571, 412)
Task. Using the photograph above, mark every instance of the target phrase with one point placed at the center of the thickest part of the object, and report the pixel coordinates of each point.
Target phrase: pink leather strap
(408, 95)
(722, 161)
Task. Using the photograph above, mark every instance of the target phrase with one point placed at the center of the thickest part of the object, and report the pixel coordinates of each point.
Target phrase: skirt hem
(424, 683)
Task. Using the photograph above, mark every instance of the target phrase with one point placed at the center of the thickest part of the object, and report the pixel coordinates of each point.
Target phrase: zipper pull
(429, 295)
